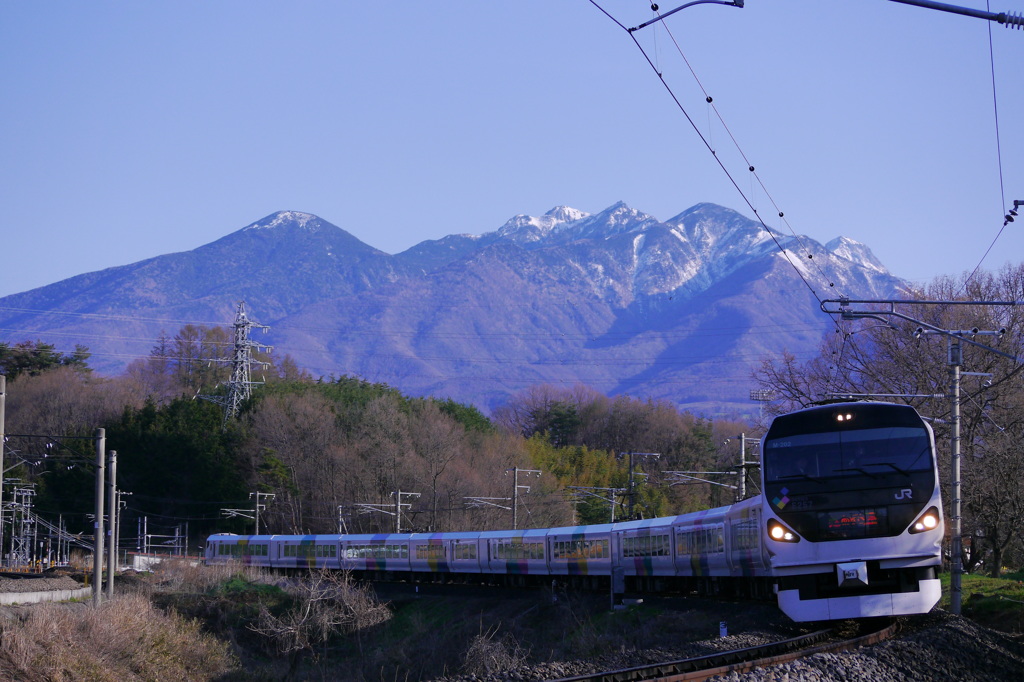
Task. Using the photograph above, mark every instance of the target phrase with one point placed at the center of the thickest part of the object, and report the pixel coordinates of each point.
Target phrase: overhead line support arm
(845, 313)
(662, 17)
(1005, 18)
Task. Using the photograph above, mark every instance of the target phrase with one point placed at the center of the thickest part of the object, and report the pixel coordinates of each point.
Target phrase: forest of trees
(333, 452)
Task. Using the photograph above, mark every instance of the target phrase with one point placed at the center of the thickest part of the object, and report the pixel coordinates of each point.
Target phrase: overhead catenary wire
(732, 179)
(1008, 218)
(750, 166)
(838, 364)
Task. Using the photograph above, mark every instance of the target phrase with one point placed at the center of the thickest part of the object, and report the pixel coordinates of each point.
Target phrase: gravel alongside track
(38, 584)
(939, 646)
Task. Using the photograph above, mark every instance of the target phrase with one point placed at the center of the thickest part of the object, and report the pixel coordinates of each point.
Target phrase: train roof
(579, 530)
(524, 533)
(844, 416)
(659, 521)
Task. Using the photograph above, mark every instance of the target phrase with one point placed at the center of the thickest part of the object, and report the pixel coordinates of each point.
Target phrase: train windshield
(871, 452)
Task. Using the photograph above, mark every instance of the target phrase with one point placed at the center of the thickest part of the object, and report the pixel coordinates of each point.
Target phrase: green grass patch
(242, 589)
(997, 603)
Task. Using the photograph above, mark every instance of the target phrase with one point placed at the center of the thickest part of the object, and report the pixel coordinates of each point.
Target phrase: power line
(707, 144)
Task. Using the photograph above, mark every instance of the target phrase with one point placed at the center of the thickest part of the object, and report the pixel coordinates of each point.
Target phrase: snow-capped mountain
(680, 309)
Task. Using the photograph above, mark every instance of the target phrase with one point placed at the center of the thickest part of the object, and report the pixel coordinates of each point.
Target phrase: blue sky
(136, 129)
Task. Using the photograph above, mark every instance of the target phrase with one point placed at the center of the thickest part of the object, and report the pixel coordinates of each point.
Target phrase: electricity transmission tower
(239, 387)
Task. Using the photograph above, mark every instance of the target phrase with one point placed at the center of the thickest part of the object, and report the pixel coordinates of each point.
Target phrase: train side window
(745, 535)
(505, 550)
(430, 552)
(465, 552)
(652, 545)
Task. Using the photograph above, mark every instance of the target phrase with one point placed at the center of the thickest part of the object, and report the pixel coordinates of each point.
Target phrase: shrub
(488, 654)
(125, 638)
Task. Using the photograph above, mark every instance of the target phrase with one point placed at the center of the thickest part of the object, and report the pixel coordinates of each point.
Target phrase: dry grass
(123, 639)
(489, 654)
(195, 578)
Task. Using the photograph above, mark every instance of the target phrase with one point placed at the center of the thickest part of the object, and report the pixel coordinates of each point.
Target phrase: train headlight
(927, 521)
(778, 532)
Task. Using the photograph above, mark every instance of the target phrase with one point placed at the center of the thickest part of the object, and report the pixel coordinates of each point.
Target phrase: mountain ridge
(675, 310)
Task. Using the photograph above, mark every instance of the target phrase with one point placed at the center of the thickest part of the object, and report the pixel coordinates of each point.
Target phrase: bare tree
(437, 440)
(297, 452)
(326, 604)
(62, 401)
(870, 357)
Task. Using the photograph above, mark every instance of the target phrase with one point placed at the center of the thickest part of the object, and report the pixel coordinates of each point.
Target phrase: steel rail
(738, 660)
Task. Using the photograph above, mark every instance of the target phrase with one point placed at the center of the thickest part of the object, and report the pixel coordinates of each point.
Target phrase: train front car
(852, 513)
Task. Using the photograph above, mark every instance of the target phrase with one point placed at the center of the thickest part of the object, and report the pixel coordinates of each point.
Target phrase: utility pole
(100, 436)
(368, 507)
(342, 515)
(398, 507)
(741, 493)
(693, 477)
(580, 492)
(631, 495)
(260, 506)
(843, 308)
(515, 491)
(111, 521)
(3, 446)
(121, 504)
(955, 359)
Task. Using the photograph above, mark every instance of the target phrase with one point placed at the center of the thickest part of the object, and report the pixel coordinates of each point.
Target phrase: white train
(849, 526)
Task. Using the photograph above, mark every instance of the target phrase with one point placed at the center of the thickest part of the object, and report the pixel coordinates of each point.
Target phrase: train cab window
(821, 455)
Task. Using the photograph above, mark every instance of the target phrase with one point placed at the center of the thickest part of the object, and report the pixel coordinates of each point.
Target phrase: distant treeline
(334, 452)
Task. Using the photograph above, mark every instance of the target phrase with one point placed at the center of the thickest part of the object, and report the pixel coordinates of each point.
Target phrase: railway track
(744, 660)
